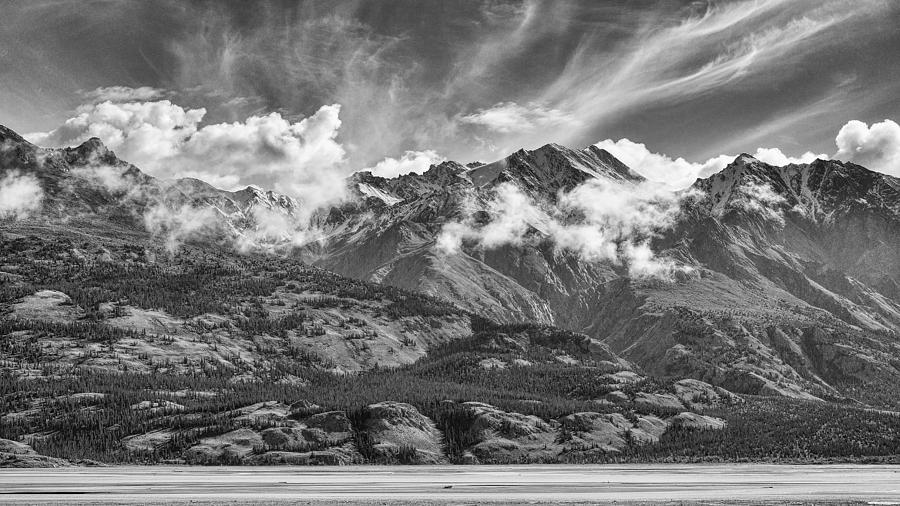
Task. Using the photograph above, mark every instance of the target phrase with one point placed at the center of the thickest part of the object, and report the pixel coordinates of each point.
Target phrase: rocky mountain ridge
(785, 278)
(788, 271)
(772, 284)
(91, 179)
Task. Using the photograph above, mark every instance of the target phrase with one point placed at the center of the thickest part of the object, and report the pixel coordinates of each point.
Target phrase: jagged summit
(438, 178)
(541, 173)
(815, 189)
(90, 178)
(91, 151)
(745, 158)
(552, 168)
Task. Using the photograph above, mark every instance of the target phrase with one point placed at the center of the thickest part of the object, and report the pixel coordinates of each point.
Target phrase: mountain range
(758, 282)
(786, 278)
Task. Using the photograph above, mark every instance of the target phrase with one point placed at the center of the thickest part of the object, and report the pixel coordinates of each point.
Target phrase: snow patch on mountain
(371, 191)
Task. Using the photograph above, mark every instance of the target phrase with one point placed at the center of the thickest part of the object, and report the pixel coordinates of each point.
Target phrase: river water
(707, 483)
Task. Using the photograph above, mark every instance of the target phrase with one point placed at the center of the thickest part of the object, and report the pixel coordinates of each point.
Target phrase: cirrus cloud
(510, 117)
(123, 93)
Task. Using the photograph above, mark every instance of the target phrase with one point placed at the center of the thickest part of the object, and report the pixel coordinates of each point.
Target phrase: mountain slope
(396, 243)
(118, 347)
(774, 280)
(788, 285)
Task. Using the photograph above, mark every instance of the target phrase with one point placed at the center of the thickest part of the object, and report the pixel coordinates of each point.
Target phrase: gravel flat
(713, 484)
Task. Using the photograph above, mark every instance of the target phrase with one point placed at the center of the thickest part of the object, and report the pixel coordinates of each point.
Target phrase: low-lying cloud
(175, 225)
(600, 221)
(759, 198)
(299, 158)
(20, 195)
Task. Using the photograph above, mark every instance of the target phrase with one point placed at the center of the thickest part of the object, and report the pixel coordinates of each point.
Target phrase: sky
(296, 94)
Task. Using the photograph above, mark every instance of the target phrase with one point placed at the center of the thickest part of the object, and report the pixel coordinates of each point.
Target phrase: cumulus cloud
(678, 172)
(20, 195)
(410, 162)
(143, 132)
(301, 158)
(876, 147)
(659, 167)
(510, 117)
(273, 230)
(601, 221)
(774, 156)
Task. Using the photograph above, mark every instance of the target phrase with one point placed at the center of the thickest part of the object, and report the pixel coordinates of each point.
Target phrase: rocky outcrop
(232, 447)
(398, 432)
(657, 403)
(694, 421)
(338, 456)
(21, 455)
(49, 305)
(699, 395)
(504, 437)
(501, 437)
(586, 433)
(301, 433)
(147, 442)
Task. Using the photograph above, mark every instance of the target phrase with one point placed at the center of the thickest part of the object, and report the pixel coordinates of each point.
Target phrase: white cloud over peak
(774, 156)
(410, 162)
(142, 132)
(302, 158)
(659, 167)
(876, 147)
(678, 172)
